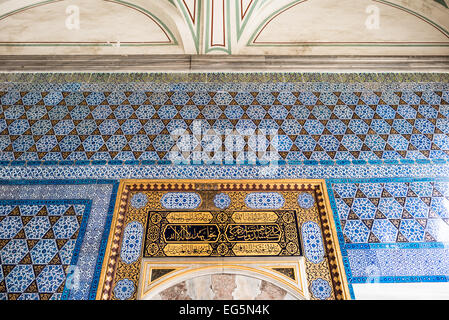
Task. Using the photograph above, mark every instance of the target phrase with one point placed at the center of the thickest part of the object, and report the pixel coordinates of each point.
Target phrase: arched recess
(105, 27)
(340, 27)
(248, 275)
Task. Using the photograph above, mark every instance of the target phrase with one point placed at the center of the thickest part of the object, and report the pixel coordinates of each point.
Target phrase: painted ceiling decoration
(225, 27)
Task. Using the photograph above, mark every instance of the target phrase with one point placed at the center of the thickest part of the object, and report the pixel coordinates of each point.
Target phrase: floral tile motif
(379, 264)
(39, 243)
(380, 140)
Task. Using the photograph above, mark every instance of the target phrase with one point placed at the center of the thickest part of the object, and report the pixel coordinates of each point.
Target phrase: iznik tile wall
(52, 237)
(381, 141)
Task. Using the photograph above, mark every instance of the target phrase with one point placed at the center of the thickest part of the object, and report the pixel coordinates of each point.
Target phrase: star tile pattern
(189, 122)
(38, 244)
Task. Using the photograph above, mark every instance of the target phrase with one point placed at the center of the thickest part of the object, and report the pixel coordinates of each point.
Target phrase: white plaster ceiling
(261, 27)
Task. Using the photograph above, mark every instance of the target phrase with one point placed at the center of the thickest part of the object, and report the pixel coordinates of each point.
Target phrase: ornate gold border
(332, 248)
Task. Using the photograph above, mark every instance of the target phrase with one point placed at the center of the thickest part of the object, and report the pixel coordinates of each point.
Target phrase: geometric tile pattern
(38, 244)
(132, 242)
(385, 212)
(392, 220)
(396, 264)
(392, 230)
(206, 123)
(52, 237)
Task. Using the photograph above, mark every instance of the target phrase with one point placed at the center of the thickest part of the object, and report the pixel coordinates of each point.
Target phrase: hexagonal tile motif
(390, 208)
(321, 112)
(291, 126)
(356, 231)
(211, 112)
(145, 112)
(163, 143)
(189, 112)
(412, 230)
(93, 143)
(314, 127)
(244, 98)
(245, 127)
(95, 98)
(222, 98)
(256, 112)
(286, 98)
(19, 278)
(234, 143)
(131, 126)
(35, 112)
(123, 112)
(371, 190)
(14, 112)
(258, 143)
(53, 98)
(177, 127)
(167, 112)
(37, 227)
(9, 227)
(137, 98)
(364, 208)
(220, 127)
(18, 127)
(265, 98)
(281, 143)
(158, 98)
(139, 142)
(201, 98)
(115, 98)
(234, 112)
(384, 230)
(154, 126)
(180, 98)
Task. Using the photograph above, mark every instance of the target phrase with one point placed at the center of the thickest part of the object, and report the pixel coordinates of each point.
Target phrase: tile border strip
(222, 77)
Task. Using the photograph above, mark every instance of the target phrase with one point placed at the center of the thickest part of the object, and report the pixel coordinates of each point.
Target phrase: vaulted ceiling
(292, 27)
